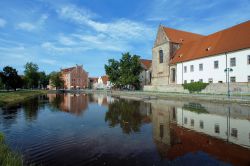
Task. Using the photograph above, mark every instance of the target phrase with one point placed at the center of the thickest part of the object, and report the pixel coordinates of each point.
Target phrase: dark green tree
(10, 78)
(31, 75)
(130, 68)
(43, 80)
(56, 80)
(113, 71)
(125, 72)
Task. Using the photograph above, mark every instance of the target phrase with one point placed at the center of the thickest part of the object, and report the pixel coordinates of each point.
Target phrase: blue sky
(58, 34)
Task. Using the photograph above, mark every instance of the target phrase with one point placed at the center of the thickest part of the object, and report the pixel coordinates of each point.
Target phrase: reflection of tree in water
(126, 113)
(8, 115)
(30, 108)
(56, 102)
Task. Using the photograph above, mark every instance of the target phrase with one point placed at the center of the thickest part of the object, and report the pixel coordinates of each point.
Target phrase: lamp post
(227, 70)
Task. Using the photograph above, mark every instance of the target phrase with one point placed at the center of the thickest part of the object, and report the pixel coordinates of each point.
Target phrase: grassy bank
(7, 157)
(7, 98)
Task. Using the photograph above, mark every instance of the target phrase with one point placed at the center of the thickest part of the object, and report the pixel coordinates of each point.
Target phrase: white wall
(241, 71)
(210, 120)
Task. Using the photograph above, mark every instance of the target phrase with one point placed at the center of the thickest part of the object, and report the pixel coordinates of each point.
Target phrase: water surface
(81, 129)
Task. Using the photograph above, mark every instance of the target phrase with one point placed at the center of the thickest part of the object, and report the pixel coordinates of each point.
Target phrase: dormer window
(161, 56)
(209, 48)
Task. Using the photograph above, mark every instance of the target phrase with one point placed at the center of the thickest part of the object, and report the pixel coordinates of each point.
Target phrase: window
(191, 68)
(185, 81)
(232, 62)
(161, 130)
(185, 69)
(234, 132)
(248, 59)
(248, 78)
(200, 80)
(210, 80)
(192, 122)
(216, 64)
(220, 81)
(232, 79)
(160, 56)
(201, 67)
(185, 120)
(201, 124)
(217, 129)
(192, 81)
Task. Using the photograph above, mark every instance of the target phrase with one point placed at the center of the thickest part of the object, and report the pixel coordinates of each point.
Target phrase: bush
(195, 86)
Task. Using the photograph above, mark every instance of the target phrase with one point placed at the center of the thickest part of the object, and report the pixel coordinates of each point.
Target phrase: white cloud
(31, 26)
(48, 61)
(2, 23)
(26, 26)
(119, 28)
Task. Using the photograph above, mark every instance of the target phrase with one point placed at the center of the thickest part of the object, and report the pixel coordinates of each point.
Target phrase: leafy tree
(195, 86)
(31, 75)
(130, 69)
(43, 79)
(10, 78)
(124, 72)
(113, 71)
(56, 80)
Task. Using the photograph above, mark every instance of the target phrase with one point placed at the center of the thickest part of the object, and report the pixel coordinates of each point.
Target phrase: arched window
(160, 56)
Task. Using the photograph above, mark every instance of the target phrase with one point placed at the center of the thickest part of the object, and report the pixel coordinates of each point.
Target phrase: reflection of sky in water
(82, 129)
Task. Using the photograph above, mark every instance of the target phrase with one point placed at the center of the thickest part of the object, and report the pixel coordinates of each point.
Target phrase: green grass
(8, 98)
(7, 157)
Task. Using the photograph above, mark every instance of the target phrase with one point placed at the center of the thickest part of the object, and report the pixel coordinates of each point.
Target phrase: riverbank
(146, 95)
(7, 157)
(8, 98)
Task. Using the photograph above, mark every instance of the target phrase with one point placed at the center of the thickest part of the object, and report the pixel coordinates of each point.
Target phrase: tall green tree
(10, 78)
(113, 71)
(56, 80)
(125, 72)
(43, 79)
(31, 75)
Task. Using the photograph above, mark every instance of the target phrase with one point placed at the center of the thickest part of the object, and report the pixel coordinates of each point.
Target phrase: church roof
(231, 39)
(179, 36)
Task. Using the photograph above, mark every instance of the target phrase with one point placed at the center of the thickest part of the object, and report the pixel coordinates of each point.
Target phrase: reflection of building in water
(162, 114)
(174, 141)
(234, 130)
(72, 103)
(102, 99)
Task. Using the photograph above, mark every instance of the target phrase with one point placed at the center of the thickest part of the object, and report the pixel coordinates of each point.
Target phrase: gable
(161, 37)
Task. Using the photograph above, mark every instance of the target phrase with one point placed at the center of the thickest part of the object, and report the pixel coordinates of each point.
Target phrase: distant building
(75, 77)
(102, 83)
(92, 82)
(145, 76)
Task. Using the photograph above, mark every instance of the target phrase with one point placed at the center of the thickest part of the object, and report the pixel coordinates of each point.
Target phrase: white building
(183, 57)
(145, 75)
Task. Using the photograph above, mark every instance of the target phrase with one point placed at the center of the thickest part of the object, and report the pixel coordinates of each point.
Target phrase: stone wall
(218, 88)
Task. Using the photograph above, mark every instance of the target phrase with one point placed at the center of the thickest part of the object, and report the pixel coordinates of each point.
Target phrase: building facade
(75, 77)
(145, 75)
(182, 57)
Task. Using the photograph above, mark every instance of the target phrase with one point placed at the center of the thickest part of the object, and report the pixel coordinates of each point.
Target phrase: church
(180, 57)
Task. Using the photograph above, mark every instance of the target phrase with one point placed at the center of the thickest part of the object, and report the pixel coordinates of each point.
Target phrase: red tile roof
(178, 36)
(105, 79)
(147, 63)
(231, 39)
(67, 69)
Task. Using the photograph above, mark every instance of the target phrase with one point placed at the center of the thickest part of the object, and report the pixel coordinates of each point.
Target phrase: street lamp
(227, 70)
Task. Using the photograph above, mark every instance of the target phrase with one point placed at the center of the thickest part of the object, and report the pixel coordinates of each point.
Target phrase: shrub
(195, 86)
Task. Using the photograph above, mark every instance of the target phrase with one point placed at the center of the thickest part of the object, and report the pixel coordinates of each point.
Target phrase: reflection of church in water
(179, 129)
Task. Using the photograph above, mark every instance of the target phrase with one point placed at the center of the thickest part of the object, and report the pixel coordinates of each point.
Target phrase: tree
(43, 79)
(31, 75)
(113, 71)
(10, 78)
(56, 80)
(130, 68)
(124, 72)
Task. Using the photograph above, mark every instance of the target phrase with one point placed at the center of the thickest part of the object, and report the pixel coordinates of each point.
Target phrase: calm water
(83, 129)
